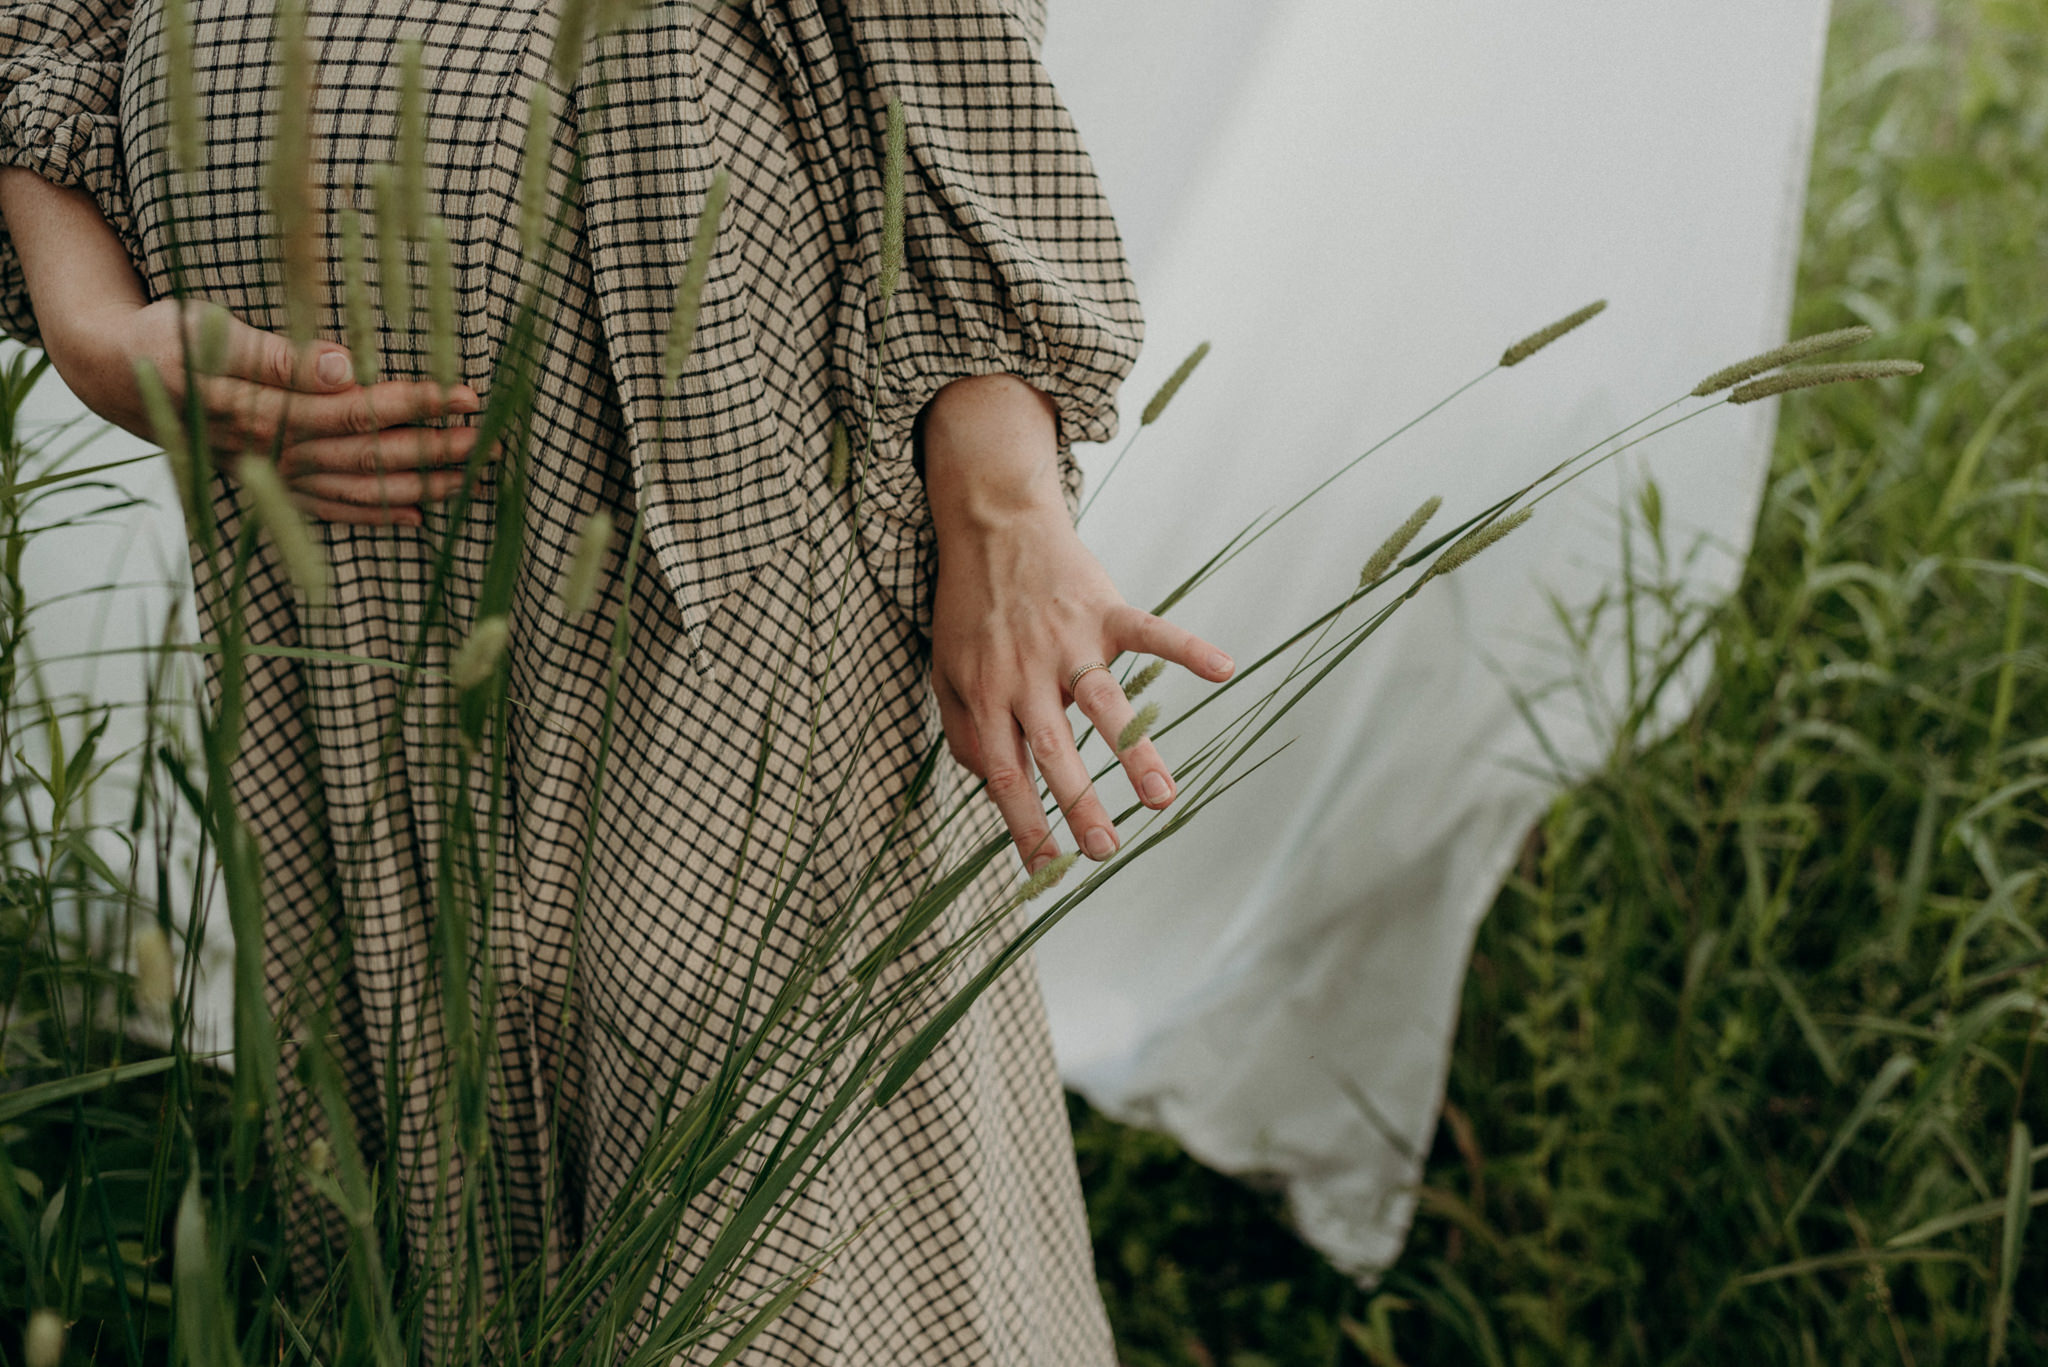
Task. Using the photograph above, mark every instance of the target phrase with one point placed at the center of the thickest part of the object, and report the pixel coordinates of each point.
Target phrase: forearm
(74, 264)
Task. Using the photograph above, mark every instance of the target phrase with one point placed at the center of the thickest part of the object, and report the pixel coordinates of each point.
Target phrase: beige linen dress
(978, 1249)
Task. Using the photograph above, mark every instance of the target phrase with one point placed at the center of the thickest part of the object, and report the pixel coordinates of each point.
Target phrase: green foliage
(1752, 1049)
(1198, 1270)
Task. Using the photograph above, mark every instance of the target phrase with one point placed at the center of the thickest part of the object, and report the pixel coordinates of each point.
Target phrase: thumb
(267, 358)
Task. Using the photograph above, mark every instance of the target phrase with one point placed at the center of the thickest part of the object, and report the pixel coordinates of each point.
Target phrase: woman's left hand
(1021, 606)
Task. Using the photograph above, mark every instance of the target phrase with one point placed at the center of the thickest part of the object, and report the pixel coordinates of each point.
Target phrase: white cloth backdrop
(1362, 202)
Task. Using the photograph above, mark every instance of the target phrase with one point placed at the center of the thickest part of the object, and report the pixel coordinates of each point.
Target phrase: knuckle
(1084, 809)
(216, 397)
(1007, 780)
(252, 417)
(358, 418)
(1033, 838)
(1045, 738)
(1098, 689)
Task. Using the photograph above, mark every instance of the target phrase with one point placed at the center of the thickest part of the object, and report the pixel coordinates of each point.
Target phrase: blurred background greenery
(1750, 1061)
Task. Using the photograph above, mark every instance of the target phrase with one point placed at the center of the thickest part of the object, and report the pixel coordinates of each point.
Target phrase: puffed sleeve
(1012, 260)
(60, 88)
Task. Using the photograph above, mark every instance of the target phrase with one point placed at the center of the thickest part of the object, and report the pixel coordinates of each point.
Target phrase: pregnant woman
(759, 693)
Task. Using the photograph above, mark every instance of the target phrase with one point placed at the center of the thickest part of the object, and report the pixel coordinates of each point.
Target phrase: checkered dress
(777, 633)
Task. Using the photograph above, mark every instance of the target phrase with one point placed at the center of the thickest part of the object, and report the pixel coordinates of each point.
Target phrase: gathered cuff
(896, 527)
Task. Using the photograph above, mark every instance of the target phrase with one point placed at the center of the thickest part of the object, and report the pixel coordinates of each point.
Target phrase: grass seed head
(1144, 678)
(1172, 386)
(1536, 341)
(164, 423)
(1138, 727)
(443, 354)
(570, 37)
(188, 136)
(394, 261)
(156, 973)
(289, 176)
(304, 561)
(42, 1343)
(169, 431)
(1810, 376)
(409, 153)
(359, 313)
(892, 201)
(1047, 878)
(586, 563)
(210, 334)
(476, 660)
(842, 457)
(682, 322)
(535, 170)
(1462, 550)
(608, 16)
(1796, 350)
(1382, 560)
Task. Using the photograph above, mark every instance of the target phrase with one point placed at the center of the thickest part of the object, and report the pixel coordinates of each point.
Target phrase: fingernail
(464, 398)
(1219, 663)
(334, 368)
(1158, 791)
(1099, 843)
(1040, 861)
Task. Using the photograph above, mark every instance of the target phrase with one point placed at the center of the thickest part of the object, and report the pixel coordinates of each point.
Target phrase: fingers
(1010, 785)
(1051, 741)
(1102, 701)
(265, 358)
(398, 449)
(380, 491)
(360, 514)
(958, 725)
(1140, 631)
(245, 415)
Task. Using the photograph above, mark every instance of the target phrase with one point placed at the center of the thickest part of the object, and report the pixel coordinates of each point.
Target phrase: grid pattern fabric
(779, 628)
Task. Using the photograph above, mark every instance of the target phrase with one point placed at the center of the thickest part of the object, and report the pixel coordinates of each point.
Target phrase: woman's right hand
(347, 452)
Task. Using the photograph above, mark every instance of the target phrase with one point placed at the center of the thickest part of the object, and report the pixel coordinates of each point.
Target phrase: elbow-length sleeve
(60, 89)
(1012, 260)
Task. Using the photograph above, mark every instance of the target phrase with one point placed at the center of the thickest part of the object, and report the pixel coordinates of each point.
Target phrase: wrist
(990, 448)
(78, 338)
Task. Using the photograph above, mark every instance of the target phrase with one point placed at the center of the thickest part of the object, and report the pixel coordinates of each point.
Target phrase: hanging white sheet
(1362, 202)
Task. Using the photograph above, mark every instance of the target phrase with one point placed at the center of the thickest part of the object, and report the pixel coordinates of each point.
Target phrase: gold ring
(1075, 677)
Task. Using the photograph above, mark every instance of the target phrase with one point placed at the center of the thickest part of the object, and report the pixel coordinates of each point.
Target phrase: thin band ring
(1084, 670)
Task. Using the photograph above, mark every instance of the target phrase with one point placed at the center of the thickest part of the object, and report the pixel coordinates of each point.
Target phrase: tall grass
(1750, 1066)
